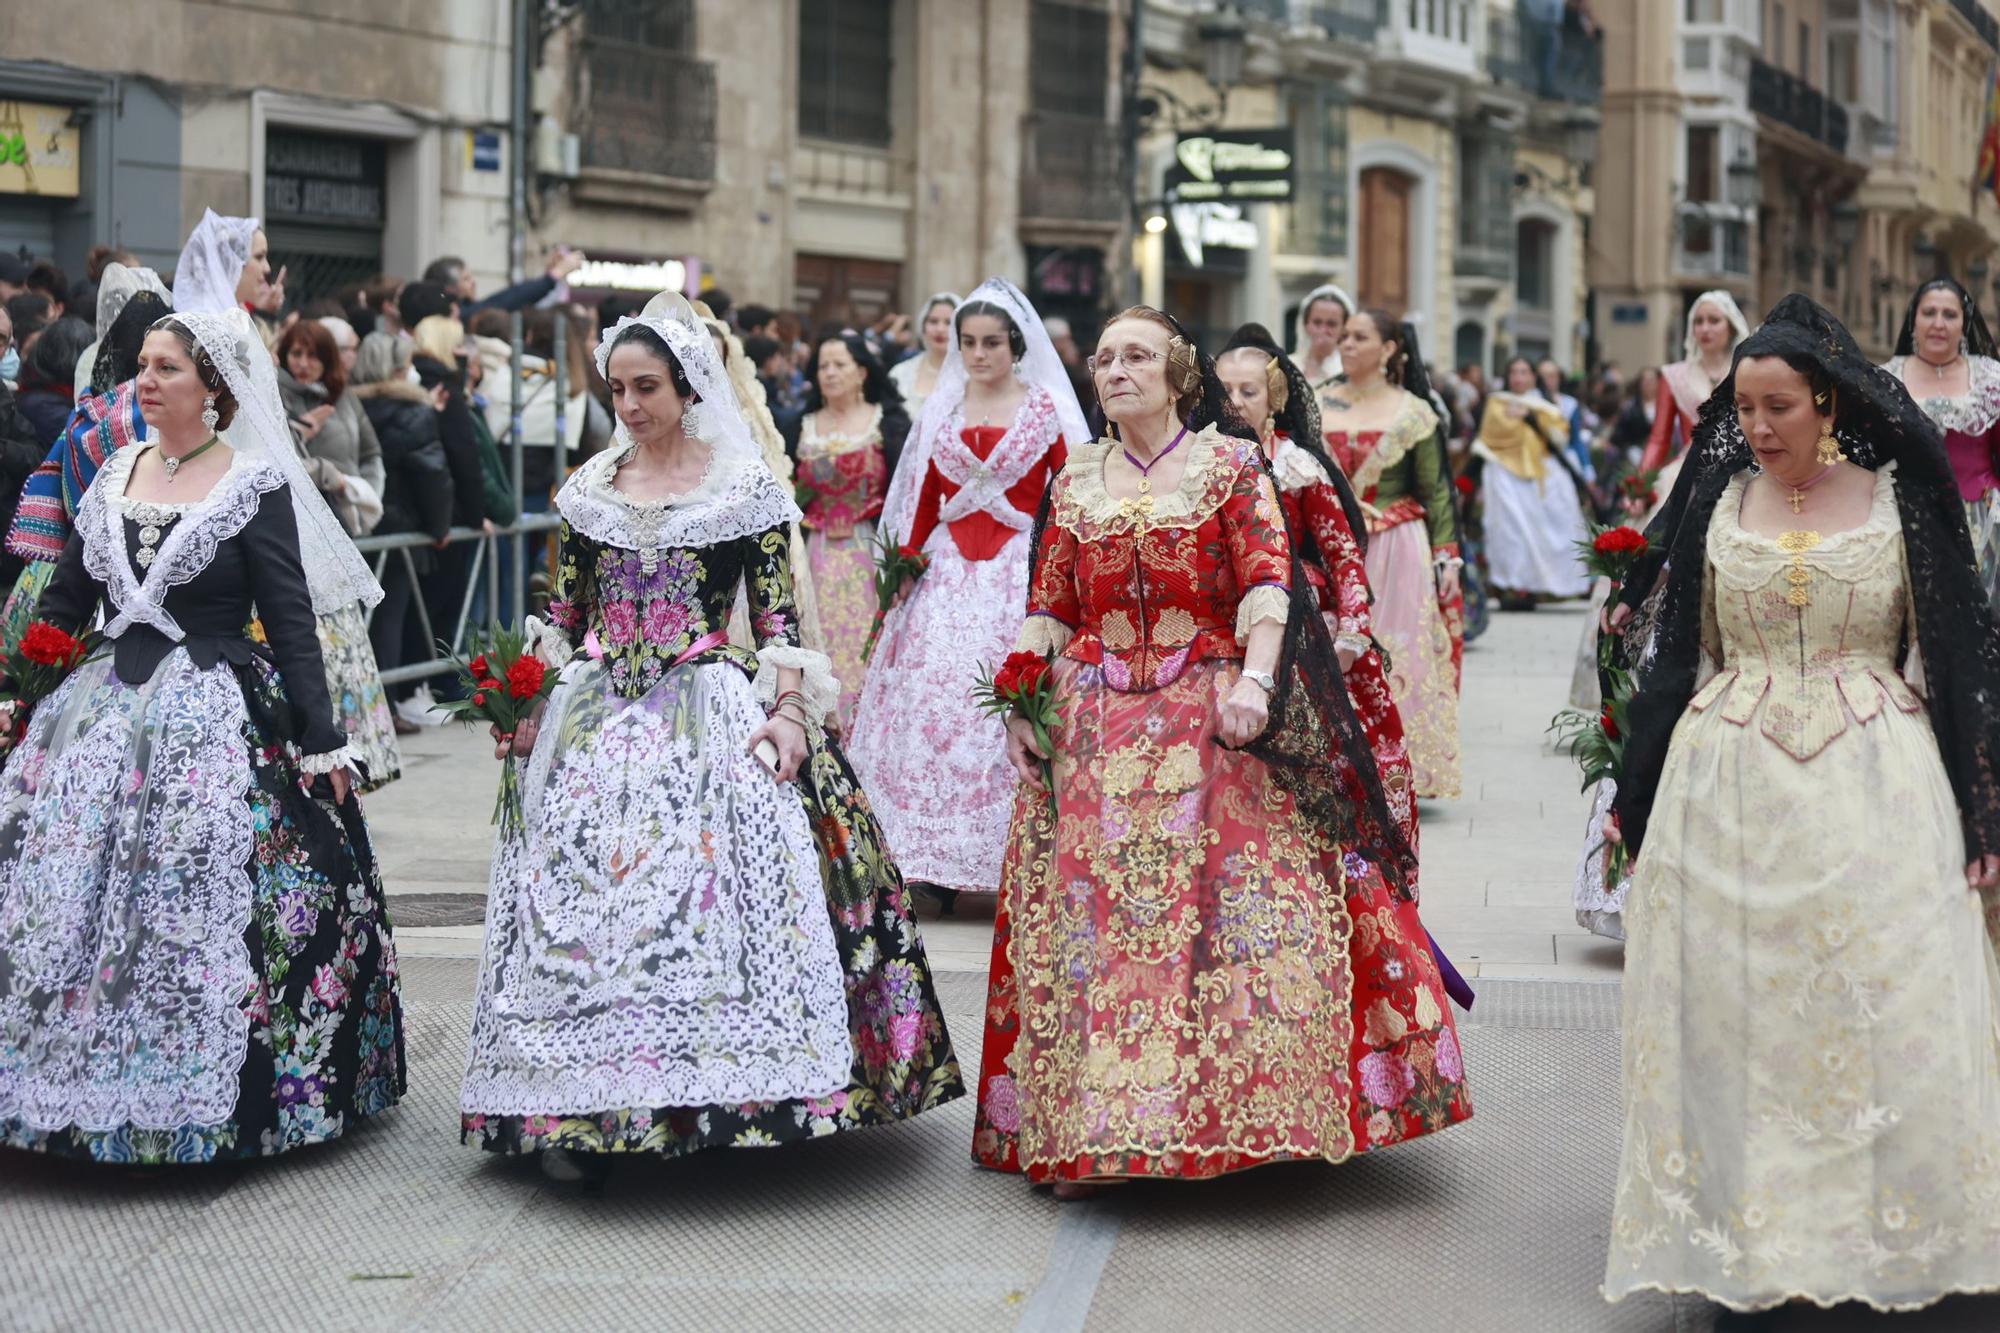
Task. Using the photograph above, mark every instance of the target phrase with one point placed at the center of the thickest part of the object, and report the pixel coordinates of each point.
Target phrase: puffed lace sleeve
(774, 621)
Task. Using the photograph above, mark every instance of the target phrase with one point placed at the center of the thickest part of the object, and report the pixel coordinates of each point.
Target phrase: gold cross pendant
(1797, 497)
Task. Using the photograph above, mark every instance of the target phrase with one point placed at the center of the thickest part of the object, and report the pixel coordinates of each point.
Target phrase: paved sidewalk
(1496, 1226)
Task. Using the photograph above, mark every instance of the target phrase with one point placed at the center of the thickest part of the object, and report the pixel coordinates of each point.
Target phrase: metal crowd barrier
(485, 564)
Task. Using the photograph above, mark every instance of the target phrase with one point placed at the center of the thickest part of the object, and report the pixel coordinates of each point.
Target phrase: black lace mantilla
(1876, 422)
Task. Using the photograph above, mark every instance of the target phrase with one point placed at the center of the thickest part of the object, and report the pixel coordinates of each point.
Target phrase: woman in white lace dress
(1812, 1003)
(195, 960)
(698, 940)
(991, 437)
(917, 376)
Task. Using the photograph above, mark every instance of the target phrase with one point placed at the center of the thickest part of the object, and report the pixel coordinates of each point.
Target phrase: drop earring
(692, 418)
(209, 416)
(1827, 452)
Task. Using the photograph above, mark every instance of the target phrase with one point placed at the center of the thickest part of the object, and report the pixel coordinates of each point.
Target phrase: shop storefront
(323, 210)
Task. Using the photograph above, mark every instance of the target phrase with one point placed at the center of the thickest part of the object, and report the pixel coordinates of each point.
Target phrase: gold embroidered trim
(1413, 421)
(1205, 484)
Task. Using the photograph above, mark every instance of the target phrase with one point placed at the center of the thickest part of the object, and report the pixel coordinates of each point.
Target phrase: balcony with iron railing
(1793, 102)
(1551, 60)
(646, 113)
(1710, 246)
(1982, 22)
(1070, 171)
(1441, 35)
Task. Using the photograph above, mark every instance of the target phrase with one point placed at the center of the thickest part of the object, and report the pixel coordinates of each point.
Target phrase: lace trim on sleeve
(547, 642)
(1348, 642)
(1265, 602)
(1043, 633)
(821, 690)
(318, 764)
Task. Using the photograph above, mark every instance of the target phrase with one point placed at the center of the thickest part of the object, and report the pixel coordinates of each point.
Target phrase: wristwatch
(1264, 680)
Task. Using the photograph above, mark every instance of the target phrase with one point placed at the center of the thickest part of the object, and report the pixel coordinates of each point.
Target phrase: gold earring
(1828, 452)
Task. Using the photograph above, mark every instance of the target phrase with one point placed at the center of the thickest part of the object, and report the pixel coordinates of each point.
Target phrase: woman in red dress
(1326, 522)
(1206, 956)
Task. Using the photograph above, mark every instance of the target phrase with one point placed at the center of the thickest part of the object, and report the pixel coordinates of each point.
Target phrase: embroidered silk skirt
(1186, 979)
(843, 575)
(195, 958)
(1424, 654)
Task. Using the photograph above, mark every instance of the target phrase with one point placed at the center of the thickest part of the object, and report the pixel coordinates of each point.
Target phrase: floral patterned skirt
(933, 763)
(360, 704)
(1187, 980)
(843, 576)
(19, 611)
(175, 904)
(1424, 653)
(683, 954)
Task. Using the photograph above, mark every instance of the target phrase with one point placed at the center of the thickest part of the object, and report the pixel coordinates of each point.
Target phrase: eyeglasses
(1134, 359)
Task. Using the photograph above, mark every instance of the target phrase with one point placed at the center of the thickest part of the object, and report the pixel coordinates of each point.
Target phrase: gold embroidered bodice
(1808, 626)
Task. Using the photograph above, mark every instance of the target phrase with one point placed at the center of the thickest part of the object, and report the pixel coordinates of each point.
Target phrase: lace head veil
(118, 285)
(229, 339)
(119, 344)
(1325, 291)
(1299, 420)
(1877, 423)
(212, 263)
(1038, 365)
(1978, 340)
(714, 418)
(1739, 327)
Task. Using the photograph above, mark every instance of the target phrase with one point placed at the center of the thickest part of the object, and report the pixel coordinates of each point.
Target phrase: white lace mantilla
(124, 901)
(182, 554)
(737, 498)
(1970, 413)
(660, 935)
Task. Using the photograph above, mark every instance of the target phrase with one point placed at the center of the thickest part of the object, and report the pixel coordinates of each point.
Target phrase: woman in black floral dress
(195, 959)
(691, 944)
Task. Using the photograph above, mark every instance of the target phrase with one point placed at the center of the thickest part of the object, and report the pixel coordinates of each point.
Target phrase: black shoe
(946, 899)
(566, 1167)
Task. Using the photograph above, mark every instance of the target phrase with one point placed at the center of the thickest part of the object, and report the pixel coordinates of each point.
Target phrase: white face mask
(10, 364)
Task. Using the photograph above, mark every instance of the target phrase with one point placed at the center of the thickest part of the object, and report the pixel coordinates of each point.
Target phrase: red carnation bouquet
(35, 665)
(893, 565)
(1612, 553)
(503, 683)
(1024, 684)
(1597, 742)
(1641, 490)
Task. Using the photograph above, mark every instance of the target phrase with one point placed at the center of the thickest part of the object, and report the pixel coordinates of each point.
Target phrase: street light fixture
(1746, 185)
(1846, 224)
(1225, 37)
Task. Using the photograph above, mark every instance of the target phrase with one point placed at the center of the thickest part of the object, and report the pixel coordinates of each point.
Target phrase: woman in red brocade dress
(993, 434)
(1321, 513)
(1206, 958)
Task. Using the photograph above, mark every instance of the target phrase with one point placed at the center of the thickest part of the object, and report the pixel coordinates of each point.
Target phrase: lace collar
(1213, 462)
(840, 442)
(184, 552)
(1293, 467)
(1970, 413)
(1414, 420)
(736, 498)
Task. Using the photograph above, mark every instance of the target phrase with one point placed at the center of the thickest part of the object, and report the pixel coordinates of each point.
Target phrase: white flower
(1674, 1165)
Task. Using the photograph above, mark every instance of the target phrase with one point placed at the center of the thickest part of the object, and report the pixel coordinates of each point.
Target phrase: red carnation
(479, 698)
(1466, 485)
(1610, 724)
(1619, 541)
(1022, 659)
(45, 645)
(910, 553)
(1030, 676)
(488, 683)
(524, 678)
(478, 667)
